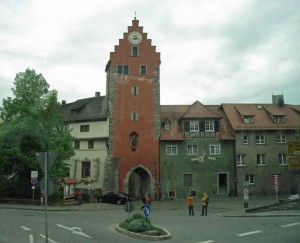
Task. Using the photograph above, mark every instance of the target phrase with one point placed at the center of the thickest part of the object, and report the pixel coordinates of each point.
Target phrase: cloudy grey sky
(214, 51)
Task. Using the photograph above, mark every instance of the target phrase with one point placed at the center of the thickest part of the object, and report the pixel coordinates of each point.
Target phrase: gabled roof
(88, 109)
(262, 116)
(175, 113)
(198, 110)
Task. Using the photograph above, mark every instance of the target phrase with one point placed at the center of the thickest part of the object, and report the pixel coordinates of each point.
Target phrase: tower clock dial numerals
(135, 37)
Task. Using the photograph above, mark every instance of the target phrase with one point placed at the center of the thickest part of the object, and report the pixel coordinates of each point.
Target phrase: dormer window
(209, 126)
(194, 126)
(278, 119)
(248, 119)
(167, 125)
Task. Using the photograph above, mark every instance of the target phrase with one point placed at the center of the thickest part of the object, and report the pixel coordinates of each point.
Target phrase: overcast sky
(227, 51)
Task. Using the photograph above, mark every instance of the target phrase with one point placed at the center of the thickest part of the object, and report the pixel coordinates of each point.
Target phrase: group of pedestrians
(190, 203)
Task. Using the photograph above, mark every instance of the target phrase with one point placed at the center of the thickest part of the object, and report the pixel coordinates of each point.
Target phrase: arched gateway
(139, 181)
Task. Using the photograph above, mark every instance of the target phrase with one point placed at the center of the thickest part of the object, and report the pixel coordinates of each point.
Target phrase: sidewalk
(223, 206)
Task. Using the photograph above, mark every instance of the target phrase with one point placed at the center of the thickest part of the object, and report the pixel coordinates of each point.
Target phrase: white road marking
(289, 225)
(25, 228)
(250, 233)
(207, 241)
(74, 230)
(52, 241)
(31, 239)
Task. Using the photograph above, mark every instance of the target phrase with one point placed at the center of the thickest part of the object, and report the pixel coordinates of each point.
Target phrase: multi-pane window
(171, 150)
(278, 119)
(281, 138)
(167, 125)
(192, 149)
(143, 70)
(91, 144)
(135, 51)
(282, 158)
(249, 179)
(261, 159)
(248, 119)
(194, 126)
(214, 149)
(260, 139)
(171, 194)
(134, 116)
(84, 128)
(209, 126)
(77, 144)
(245, 139)
(135, 90)
(85, 169)
(123, 69)
(240, 160)
(187, 179)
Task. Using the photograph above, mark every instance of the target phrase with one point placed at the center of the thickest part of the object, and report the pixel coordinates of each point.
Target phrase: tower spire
(134, 15)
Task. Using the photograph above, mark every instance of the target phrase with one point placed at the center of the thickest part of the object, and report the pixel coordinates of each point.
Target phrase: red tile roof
(70, 181)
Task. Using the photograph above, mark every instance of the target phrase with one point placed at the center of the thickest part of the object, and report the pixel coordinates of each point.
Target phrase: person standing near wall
(190, 203)
(204, 204)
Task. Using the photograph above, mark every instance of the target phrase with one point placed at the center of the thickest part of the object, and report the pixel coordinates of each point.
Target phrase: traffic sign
(48, 156)
(34, 181)
(147, 210)
(34, 174)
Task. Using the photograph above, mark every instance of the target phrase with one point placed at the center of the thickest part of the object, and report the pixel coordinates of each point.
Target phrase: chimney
(63, 102)
(97, 94)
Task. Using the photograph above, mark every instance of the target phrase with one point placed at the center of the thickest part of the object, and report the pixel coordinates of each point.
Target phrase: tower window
(135, 51)
(143, 70)
(135, 90)
(134, 116)
(123, 69)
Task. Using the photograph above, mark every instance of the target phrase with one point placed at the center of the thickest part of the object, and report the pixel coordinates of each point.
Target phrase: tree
(33, 123)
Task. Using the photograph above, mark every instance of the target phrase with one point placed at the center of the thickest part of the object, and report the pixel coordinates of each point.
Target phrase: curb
(142, 236)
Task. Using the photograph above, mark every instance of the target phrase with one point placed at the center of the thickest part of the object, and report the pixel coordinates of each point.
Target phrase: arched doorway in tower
(139, 182)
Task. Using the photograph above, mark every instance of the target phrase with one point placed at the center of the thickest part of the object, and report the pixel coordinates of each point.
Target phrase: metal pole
(46, 195)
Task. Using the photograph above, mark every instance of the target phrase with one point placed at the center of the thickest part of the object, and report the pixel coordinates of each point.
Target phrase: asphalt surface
(222, 206)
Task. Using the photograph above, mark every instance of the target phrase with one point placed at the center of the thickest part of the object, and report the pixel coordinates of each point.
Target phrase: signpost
(276, 181)
(147, 210)
(46, 160)
(34, 180)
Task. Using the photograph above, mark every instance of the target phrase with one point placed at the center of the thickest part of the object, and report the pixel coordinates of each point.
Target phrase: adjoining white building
(87, 120)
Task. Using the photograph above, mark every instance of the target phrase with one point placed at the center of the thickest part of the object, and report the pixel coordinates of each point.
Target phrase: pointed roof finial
(134, 15)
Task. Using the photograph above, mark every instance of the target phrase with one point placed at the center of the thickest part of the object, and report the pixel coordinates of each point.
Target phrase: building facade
(127, 141)
(133, 93)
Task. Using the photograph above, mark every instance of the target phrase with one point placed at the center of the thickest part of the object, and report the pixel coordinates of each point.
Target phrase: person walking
(79, 197)
(204, 204)
(190, 203)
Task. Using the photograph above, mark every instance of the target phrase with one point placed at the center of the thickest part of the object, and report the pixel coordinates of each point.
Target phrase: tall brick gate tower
(133, 92)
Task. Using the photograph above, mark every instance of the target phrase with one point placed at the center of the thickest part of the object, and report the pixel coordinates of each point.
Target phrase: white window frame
(167, 126)
(282, 157)
(192, 149)
(248, 119)
(171, 194)
(171, 150)
(261, 159)
(209, 126)
(241, 160)
(134, 116)
(194, 126)
(281, 138)
(260, 139)
(135, 90)
(245, 139)
(143, 70)
(214, 149)
(249, 178)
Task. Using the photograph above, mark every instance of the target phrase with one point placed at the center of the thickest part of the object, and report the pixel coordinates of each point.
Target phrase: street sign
(294, 148)
(34, 174)
(50, 186)
(34, 181)
(49, 156)
(294, 163)
(147, 210)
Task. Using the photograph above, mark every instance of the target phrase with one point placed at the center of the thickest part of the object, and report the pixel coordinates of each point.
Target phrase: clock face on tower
(135, 37)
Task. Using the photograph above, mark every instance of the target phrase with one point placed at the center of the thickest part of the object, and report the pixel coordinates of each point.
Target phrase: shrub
(138, 225)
